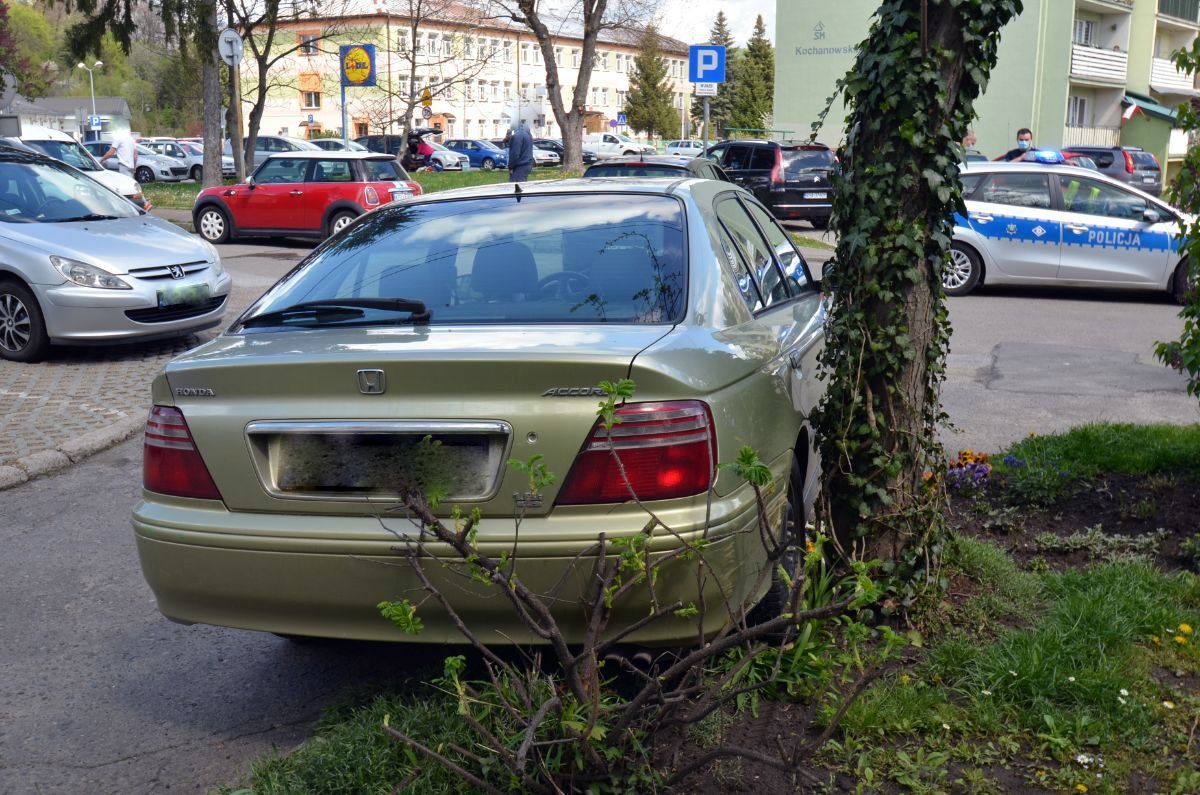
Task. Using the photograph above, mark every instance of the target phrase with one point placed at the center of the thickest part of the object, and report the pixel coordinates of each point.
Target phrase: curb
(45, 462)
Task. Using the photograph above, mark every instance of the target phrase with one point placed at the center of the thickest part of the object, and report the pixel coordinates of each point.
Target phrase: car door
(1106, 236)
(1013, 218)
(786, 307)
(276, 199)
(736, 162)
(328, 180)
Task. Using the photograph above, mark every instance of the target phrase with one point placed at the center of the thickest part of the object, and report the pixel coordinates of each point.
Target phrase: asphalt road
(99, 694)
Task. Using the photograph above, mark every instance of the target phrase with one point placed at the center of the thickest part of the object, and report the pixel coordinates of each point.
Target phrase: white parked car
(614, 145)
(545, 157)
(1033, 223)
(61, 146)
(688, 148)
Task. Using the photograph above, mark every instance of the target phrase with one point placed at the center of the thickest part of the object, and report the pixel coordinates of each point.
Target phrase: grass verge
(182, 195)
(808, 241)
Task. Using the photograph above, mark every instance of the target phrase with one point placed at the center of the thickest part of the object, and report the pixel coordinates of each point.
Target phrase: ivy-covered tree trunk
(910, 97)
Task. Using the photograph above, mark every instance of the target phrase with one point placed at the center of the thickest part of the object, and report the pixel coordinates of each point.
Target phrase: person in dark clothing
(520, 154)
(1024, 145)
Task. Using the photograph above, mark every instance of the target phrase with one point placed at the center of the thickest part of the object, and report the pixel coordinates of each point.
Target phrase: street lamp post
(91, 87)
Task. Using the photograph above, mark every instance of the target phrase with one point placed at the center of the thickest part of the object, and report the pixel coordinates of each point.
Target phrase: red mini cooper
(302, 194)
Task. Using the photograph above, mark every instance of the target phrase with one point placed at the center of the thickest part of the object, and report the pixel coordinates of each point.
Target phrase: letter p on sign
(706, 63)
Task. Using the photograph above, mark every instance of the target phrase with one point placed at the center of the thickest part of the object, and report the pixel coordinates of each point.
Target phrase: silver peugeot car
(80, 264)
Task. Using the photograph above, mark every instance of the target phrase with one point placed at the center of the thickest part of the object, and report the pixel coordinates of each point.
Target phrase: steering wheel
(564, 284)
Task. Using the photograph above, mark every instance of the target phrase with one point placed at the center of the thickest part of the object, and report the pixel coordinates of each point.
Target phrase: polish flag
(1132, 109)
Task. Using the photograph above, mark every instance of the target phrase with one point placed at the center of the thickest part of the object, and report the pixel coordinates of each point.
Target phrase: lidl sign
(358, 64)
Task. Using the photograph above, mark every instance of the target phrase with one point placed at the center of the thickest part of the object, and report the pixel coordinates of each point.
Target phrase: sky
(691, 20)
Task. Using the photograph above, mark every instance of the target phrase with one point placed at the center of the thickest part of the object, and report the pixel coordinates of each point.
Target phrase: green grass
(182, 195)
(807, 241)
(1076, 678)
(351, 754)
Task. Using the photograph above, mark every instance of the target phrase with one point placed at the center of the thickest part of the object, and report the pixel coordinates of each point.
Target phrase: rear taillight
(1128, 162)
(416, 187)
(665, 449)
(171, 464)
(777, 169)
(370, 195)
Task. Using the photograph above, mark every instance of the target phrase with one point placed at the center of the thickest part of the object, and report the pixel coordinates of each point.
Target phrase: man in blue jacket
(520, 154)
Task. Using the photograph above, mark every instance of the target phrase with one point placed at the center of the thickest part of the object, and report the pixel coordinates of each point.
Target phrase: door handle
(1076, 227)
(983, 219)
(796, 360)
(297, 192)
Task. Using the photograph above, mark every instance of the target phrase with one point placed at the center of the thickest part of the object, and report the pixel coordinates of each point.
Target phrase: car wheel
(438, 166)
(964, 270)
(488, 164)
(776, 599)
(213, 225)
(340, 221)
(23, 335)
(1181, 285)
(143, 174)
(820, 223)
(198, 173)
(628, 153)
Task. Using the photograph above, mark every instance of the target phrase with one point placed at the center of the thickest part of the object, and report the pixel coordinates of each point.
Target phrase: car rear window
(583, 258)
(636, 170)
(69, 152)
(384, 171)
(797, 161)
(1144, 161)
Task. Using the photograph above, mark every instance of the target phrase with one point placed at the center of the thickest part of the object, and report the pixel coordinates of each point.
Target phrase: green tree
(753, 96)
(1184, 353)
(30, 50)
(648, 107)
(910, 97)
(720, 111)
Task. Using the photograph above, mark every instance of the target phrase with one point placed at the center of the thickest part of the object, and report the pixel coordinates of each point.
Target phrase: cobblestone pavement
(82, 400)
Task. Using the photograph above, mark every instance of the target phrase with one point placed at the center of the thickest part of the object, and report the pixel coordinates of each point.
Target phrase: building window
(508, 52)
(1077, 112)
(508, 90)
(468, 49)
(1085, 32)
(495, 91)
(574, 58)
(558, 56)
(470, 90)
(310, 100)
(308, 44)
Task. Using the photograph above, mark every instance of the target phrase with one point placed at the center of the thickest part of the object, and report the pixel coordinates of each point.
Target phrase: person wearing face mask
(1024, 145)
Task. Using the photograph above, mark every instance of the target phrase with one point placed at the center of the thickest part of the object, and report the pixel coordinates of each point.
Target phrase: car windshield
(636, 170)
(69, 152)
(383, 170)
(574, 258)
(41, 192)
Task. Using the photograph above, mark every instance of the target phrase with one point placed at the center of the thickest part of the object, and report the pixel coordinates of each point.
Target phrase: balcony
(1166, 79)
(1094, 64)
(1186, 10)
(1091, 136)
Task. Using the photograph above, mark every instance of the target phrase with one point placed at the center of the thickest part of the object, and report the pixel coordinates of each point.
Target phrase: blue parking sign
(706, 63)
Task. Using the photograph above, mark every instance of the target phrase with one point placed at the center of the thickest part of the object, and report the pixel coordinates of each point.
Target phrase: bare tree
(259, 22)
(456, 56)
(595, 16)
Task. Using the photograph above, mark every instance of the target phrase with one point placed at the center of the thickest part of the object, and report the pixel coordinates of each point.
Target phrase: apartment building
(1067, 69)
(480, 74)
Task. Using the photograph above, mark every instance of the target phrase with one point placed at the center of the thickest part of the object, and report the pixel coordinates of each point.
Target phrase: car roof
(36, 132)
(662, 186)
(334, 154)
(995, 167)
(658, 160)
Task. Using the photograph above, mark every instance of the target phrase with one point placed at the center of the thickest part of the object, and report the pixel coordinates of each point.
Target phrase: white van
(614, 145)
(60, 146)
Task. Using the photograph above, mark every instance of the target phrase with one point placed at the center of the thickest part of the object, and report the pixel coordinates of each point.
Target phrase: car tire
(488, 164)
(438, 166)
(198, 173)
(820, 223)
(963, 272)
(777, 596)
(340, 220)
(628, 153)
(23, 335)
(212, 223)
(1180, 286)
(143, 174)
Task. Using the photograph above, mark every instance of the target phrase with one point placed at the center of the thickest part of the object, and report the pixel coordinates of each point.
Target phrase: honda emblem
(371, 382)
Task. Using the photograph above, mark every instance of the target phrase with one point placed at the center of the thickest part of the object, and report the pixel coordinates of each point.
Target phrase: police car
(1038, 223)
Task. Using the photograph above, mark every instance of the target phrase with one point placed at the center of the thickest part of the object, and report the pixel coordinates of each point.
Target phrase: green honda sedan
(483, 320)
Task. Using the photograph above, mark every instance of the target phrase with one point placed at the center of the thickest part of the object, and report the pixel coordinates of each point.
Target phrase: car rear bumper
(292, 574)
(801, 209)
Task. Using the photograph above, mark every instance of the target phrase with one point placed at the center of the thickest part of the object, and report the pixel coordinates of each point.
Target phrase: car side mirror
(250, 183)
(1151, 216)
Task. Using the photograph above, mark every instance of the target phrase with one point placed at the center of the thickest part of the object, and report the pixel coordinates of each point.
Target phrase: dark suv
(790, 178)
(1129, 164)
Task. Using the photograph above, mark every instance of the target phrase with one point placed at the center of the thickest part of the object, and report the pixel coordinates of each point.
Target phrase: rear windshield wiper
(336, 311)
